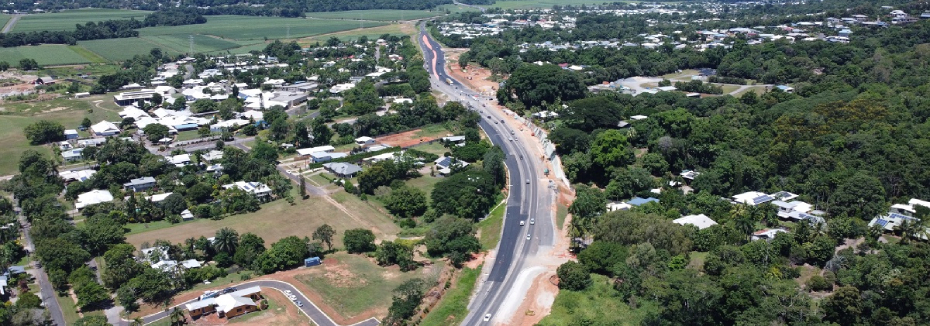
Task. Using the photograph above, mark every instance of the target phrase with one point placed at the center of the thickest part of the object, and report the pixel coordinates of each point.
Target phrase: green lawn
(435, 148)
(67, 308)
(4, 18)
(600, 303)
(560, 214)
(49, 54)
(66, 20)
(276, 220)
(255, 28)
(382, 15)
(454, 305)
(524, 4)
(135, 228)
(188, 135)
(359, 285)
(12, 139)
(491, 227)
(372, 33)
(425, 183)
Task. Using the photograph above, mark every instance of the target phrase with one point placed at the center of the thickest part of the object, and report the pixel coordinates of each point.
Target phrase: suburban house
(212, 155)
(104, 128)
(766, 234)
(320, 157)
(701, 221)
(140, 184)
(639, 201)
(153, 254)
(785, 208)
(342, 170)
(258, 189)
(79, 175)
(179, 160)
(187, 215)
(458, 140)
(364, 141)
(898, 214)
(71, 134)
(72, 155)
(445, 164)
(91, 142)
(5, 277)
(308, 151)
(228, 305)
(752, 198)
(93, 197)
(172, 265)
(689, 175)
(618, 206)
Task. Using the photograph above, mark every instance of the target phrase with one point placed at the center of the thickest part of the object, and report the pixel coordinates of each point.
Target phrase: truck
(449, 80)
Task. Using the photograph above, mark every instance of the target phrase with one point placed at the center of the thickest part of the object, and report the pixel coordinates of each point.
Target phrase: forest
(851, 139)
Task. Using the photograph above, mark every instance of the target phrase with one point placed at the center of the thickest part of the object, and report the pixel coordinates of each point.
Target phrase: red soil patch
(404, 139)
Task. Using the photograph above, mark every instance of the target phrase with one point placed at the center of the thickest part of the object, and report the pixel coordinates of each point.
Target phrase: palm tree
(226, 240)
(137, 322)
(177, 317)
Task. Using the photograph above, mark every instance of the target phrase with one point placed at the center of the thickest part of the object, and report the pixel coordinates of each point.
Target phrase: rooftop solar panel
(901, 216)
(881, 222)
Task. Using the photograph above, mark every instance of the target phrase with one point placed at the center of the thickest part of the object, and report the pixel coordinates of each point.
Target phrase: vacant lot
(354, 284)
(598, 302)
(66, 20)
(12, 139)
(383, 15)
(274, 221)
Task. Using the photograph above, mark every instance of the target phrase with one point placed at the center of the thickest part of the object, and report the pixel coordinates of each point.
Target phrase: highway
(530, 192)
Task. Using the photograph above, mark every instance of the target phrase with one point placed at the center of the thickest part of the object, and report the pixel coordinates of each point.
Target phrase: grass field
(524, 4)
(490, 228)
(425, 183)
(454, 305)
(356, 284)
(435, 148)
(48, 54)
(256, 28)
(370, 32)
(382, 15)
(66, 20)
(561, 213)
(600, 302)
(4, 18)
(272, 222)
(14, 141)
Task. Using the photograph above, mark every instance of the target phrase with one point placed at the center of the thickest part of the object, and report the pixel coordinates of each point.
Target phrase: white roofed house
(140, 184)
(258, 189)
(364, 141)
(445, 164)
(701, 221)
(900, 215)
(104, 128)
(308, 151)
(752, 198)
(179, 160)
(93, 197)
(320, 157)
(76, 176)
(228, 305)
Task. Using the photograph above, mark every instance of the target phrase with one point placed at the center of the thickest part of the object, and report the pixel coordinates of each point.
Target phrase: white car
(521, 223)
(487, 317)
(527, 236)
(532, 221)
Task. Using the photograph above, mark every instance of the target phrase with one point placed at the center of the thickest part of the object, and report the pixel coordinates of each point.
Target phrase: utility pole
(191, 42)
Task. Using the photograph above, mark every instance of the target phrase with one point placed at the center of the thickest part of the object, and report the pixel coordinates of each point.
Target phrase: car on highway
(521, 223)
(527, 181)
(502, 120)
(532, 221)
(511, 138)
(487, 317)
(527, 236)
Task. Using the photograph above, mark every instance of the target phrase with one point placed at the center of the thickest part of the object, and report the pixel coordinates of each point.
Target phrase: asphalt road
(316, 315)
(529, 191)
(46, 290)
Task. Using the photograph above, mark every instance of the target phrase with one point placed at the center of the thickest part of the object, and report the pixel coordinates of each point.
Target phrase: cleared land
(354, 284)
(66, 20)
(594, 303)
(256, 28)
(272, 222)
(382, 15)
(68, 113)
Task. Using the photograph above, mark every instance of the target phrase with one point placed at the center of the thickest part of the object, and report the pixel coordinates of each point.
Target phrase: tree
(101, 231)
(28, 64)
(250, 247)
(177, 317)
(264, 152)
(406, 202)
(570, 140)
(325, 233)
(91, 295)
(203, 105)
(468, 194)
(121, 266)
(859, 196)
(573, 276)
(844, 306)
(174, 204)
(534, 84)
(362, 99)
(493, 164)
(358, 241)
(155, 132)
(58, 253)
(226, 240)
(391, 253)
(321, 132)
(301, 135)
(44, 131)
(303, 188)
(407, 297)
(28, 300)
(453, 237)
(4, 66)
(589, 204)
(588, 114)
(655, 163)
(86, 122)
(92, 321)
(611, 149)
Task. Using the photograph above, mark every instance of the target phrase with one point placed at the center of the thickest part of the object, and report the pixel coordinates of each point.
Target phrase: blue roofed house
(342, 170)
(639, 201)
